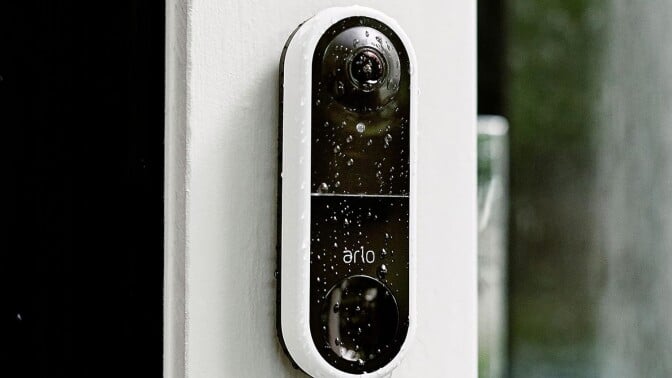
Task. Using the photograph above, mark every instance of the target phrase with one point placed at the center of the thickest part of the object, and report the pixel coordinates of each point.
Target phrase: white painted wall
(221, 151)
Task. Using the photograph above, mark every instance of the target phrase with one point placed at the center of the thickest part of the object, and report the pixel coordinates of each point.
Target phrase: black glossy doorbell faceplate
(360, 186)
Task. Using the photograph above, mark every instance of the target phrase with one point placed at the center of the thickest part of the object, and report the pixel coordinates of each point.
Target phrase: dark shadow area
(81, 109)
(491, 56)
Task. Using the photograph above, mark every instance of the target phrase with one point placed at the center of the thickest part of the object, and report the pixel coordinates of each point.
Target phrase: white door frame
(221, 165)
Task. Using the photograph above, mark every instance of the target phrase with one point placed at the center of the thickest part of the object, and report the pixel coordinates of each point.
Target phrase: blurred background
(575, 195)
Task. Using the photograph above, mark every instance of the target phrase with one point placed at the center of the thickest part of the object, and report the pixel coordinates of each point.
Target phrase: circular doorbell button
(360, 319)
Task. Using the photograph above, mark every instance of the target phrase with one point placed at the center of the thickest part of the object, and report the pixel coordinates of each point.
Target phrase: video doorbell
(347, 194)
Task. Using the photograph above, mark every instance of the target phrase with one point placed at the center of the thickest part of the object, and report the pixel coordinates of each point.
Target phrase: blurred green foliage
(552, 60)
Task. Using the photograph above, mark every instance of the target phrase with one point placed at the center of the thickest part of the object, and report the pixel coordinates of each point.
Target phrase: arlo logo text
(359, 255)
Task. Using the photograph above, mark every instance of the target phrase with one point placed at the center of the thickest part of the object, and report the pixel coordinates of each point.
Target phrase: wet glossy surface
(360, 320)
(360, 181)
(360, 133)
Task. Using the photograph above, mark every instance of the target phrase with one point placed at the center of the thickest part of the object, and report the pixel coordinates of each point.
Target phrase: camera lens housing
(361, 67)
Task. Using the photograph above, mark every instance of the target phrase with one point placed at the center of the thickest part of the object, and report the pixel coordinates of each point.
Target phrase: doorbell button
(360, 319)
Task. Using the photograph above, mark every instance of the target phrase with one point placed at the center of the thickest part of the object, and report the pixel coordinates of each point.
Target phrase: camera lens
(360, 68)
(367, 69)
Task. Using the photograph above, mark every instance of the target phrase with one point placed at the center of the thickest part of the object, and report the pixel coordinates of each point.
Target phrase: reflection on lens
(367, 69)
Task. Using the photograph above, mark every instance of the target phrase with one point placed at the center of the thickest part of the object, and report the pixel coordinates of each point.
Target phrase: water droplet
(323, 188)
(326, 124)
(355, 42)
(383, 253)
(337, 149)
(366, 33)
(370, 142)
(339, 87)
(318, 279)
(350, 162)
(348, 138)
(360, 127)
(380, 40)
(337, 341)
(337, 184)
(388, 138)
(337, 307)
(382, 271)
